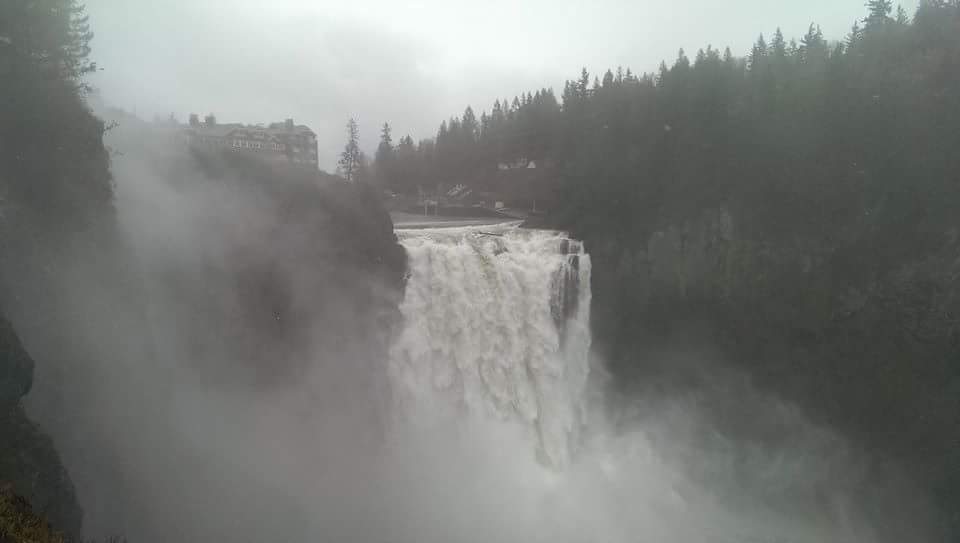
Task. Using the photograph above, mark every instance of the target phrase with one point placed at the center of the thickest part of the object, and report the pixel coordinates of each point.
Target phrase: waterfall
(496, 327)
(488, 383)
(488, 386)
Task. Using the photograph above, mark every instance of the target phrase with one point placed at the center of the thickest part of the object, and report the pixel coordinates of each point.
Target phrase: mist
(711, 303)
(254, 419)
(409, 64)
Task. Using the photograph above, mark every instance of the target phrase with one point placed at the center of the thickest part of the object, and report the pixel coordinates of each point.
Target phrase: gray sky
(409, 63)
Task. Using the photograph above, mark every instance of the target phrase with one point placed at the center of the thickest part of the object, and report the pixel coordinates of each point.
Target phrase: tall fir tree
(385, 158)
(350, 159)
(879, 12)
(778, 45)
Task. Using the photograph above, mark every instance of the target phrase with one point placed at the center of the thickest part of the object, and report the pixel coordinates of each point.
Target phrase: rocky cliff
(872, 356)
(28, 460)
(223, 282)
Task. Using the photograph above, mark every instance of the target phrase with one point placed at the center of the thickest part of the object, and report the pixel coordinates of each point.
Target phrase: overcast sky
(408, 63)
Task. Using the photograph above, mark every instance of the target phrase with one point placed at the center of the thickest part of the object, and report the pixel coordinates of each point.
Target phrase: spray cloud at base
(493, 356)
(275, 407)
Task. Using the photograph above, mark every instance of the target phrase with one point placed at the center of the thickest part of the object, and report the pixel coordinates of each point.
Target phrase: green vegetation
(18, 523)
(796, 209)
(54, 182)
(55, 164)
(29, 463)
(351, 159)
(55, 188)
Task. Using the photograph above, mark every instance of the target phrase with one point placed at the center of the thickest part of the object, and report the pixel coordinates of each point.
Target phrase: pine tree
(728, 56)
(779, 45)
(583, 84)
(52, 37)
(468, 126)
(350, 159)
(793, 50)
(663, 73)
(701, 58)
(52, 154)
(879, 11)
(758, 53)
(812, 45)
(902, 17)
(682, 61)
(385, 157)
(442, 133)
(856, 34)
(607, 79)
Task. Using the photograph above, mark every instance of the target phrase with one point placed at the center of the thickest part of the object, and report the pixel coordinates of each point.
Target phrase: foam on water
(496, 326)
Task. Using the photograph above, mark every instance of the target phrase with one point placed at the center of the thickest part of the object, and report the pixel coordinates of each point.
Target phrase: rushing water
(495, 343)
(496, 326)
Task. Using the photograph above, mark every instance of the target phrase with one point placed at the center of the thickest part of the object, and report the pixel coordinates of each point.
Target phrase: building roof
(224, 130)
(279, 128)
(218, 130)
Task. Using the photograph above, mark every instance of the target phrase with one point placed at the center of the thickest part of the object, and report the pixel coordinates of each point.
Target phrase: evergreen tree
(663, 73)
(52, 37)
(683, 63)
(758, 53)
(728, 58)
(350, 159)
(468, 126)
(607, 79)
(879, 11)
(583, 84)
(856, 34)
(779, 45)
(812, 45)
(902, 17)
(384, 159)
(793, 50)
(52, 156)
(385, 148)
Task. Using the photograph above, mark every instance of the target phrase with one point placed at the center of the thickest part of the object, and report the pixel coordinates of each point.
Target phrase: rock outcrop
(871, 356)
(28, 460)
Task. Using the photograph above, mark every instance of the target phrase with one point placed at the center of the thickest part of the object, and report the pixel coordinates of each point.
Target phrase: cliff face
(272, 265)
(28, 460)
(263, 304)
(873, 356)
(224, 299)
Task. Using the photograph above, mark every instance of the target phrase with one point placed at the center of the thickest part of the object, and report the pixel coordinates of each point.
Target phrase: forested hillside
(135, 274)
(795, 210)
(55, 191)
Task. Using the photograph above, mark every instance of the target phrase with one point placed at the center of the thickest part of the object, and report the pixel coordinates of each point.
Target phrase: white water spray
(495, 342)
(496, 326)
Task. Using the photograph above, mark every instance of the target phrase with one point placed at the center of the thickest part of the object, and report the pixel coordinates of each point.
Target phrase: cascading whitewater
(496, 326)
(495, 338)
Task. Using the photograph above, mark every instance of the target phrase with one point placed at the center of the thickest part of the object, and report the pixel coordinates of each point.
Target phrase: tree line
(57, 221)
(44, 55)
(831, 170)
(719, 122)
(468, 147)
